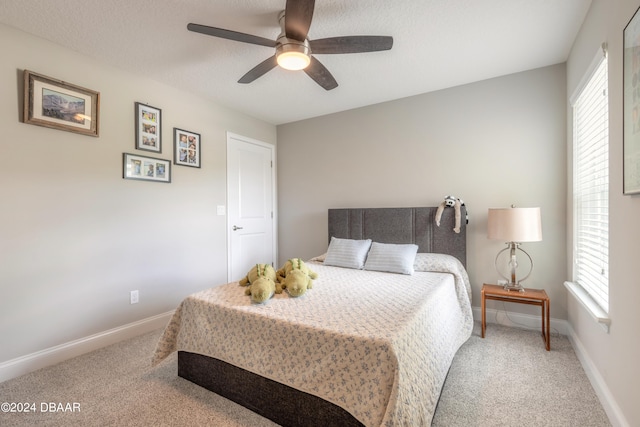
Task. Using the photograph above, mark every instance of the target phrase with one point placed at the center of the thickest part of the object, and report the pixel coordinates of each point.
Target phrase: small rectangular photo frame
(186, 148)
(60, 105)
(145, 168)
(148, 128)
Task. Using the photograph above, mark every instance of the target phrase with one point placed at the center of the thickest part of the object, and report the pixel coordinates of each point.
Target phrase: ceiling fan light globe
(293, 60)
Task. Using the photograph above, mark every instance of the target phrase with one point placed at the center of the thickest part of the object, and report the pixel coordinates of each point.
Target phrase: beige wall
(492, 143)
(612, 358)
(75, 237)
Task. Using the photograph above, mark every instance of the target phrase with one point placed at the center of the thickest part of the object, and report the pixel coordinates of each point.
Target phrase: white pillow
(391, 257)
(347, 253)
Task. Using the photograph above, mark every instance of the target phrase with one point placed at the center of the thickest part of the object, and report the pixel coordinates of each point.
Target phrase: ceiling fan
(293, 49)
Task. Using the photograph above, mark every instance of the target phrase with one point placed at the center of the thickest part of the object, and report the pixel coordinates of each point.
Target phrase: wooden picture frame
(631, 106)
(145, 168)
(148, 128)
(60, 105)
(186, 148)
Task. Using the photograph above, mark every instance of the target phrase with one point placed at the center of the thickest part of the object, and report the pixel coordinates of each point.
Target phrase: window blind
(591, 187)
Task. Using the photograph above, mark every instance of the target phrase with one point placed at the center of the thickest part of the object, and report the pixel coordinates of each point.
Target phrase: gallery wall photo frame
(186, 148)
(631, 106)
(145, 168)
(60, 105)
(148, 128)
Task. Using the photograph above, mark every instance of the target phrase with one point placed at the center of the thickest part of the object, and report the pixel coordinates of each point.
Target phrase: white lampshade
(515, 224)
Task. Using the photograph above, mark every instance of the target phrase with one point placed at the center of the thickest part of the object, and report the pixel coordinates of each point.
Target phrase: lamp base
(511, 283)
(514, 287)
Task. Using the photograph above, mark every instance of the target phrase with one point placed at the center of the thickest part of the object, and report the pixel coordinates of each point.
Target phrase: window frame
(596, 306)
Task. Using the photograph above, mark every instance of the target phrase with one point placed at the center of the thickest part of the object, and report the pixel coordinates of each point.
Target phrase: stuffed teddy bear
(296, 277)
(452, 202)
(261, 282)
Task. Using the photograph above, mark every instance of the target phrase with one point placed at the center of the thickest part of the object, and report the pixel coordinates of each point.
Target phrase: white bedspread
(378, 345)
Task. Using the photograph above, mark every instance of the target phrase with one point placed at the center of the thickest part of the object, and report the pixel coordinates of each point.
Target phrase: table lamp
(514, 226)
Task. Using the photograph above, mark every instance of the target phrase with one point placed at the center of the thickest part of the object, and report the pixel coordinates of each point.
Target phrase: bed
(361, 348)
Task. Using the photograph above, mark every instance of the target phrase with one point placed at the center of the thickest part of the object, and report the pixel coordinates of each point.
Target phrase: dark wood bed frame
(290, 407)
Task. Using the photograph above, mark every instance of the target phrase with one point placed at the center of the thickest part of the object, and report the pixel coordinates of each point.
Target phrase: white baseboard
(519, 320)
(616, 417)
(50, 356)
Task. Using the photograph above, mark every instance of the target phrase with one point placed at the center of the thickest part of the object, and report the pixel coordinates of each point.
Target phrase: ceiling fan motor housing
(292, 54)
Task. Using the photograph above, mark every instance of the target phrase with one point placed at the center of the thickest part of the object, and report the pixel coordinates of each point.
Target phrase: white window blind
(591, 187)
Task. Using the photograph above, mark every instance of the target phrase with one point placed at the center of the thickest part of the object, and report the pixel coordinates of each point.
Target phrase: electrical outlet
(135, 297)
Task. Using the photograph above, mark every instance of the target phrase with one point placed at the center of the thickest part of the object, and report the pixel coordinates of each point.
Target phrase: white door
(251, 200)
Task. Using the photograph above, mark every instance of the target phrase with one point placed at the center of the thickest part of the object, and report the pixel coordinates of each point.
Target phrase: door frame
(274, 196)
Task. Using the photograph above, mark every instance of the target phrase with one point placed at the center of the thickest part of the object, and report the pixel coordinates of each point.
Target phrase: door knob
(236, 228)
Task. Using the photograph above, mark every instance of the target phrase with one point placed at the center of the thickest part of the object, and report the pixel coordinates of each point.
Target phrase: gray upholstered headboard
(403, 225)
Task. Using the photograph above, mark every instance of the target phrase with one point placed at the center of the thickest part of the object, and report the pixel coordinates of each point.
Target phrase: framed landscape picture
(60, 105)
(148, 128)
(186, 148)
(145, 168)
(631, 106)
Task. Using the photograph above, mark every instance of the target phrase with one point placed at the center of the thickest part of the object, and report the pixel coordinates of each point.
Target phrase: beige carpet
(507, 379)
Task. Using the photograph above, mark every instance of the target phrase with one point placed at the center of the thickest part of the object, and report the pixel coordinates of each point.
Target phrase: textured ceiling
(437, 44)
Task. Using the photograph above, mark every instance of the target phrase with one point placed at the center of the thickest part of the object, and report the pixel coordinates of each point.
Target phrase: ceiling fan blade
(297, 18)
(321, 75)
(231, 35)
(259, 70)
(351, 44)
